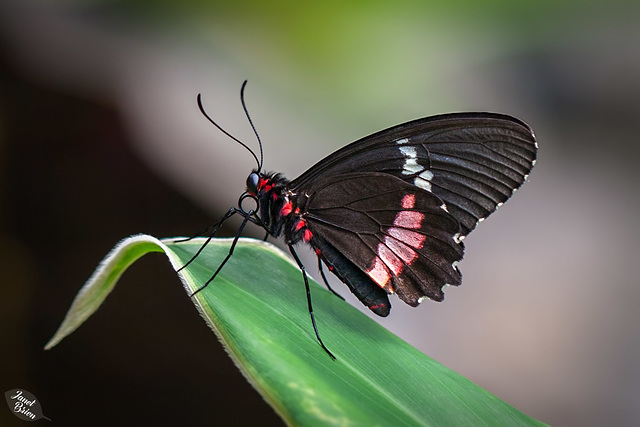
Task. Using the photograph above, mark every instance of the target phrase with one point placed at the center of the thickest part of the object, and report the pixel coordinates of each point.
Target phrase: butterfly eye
(252, 183)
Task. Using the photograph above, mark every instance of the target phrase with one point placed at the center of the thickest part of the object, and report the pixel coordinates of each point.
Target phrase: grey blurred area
(101, 138)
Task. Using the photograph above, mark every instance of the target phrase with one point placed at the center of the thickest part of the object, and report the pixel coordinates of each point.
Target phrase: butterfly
(388, 213)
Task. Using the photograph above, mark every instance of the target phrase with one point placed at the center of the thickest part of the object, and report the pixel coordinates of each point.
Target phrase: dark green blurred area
(100, 138)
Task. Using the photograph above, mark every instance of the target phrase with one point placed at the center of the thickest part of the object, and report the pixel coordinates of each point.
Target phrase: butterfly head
(269, 192)
(253, 180)
(260, 184)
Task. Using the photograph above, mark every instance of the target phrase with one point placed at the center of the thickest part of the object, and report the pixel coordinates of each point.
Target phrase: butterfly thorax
(277, 208)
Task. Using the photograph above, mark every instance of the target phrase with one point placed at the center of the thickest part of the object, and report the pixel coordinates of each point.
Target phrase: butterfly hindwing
(399, 235)
(472, 161)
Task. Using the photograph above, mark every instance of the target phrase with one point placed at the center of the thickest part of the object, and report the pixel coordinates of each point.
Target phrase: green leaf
(257, 307)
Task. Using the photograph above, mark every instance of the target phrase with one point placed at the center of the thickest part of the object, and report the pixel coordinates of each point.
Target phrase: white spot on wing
(428, 175)
(444, 207)
(402, 141)
(409, 152)
(422, 183)
(423, 180)
(411, 165)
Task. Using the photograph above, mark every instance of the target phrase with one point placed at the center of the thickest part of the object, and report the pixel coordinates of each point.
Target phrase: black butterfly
(388, 213)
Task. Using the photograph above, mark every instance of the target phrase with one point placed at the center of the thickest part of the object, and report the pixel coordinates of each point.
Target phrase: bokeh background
(100, 138)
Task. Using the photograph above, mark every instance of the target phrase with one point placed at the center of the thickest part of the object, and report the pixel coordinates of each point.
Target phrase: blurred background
(101, 138)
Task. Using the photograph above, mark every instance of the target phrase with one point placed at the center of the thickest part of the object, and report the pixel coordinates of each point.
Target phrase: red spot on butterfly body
(264, 185)
(286, 209)
(307, 235)
(300, 225)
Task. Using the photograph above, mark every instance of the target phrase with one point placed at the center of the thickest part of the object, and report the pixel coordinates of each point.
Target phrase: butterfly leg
(306, 285)
(210, 232)
(232, 211)
(326, 282)
(207, 231)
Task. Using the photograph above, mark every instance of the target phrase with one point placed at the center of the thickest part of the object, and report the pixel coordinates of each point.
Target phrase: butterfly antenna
(246, 112)
(204, 113)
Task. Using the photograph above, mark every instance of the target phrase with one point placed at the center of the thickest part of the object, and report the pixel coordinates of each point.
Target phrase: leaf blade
(257, 308)
(102, 282)
(368, 364)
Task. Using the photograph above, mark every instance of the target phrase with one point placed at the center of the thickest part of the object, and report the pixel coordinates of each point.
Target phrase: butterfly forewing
(472, 161)
(401, 236)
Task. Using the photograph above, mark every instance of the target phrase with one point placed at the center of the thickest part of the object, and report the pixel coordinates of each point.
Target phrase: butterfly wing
(472, 161)
(400, 235)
